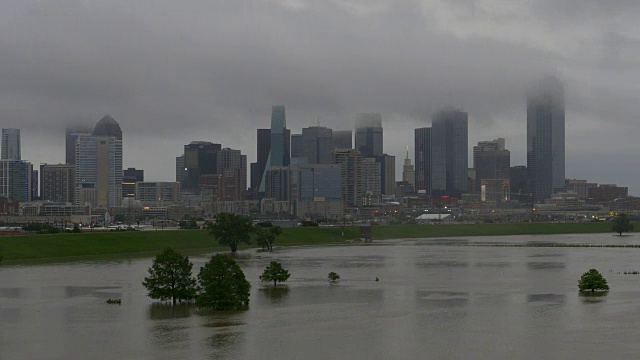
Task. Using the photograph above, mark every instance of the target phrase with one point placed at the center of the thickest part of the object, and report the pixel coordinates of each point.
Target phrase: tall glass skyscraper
(11, 144)
(369, 134)
(280, 147)
(423, 159)
(449, 153)
(545, 138)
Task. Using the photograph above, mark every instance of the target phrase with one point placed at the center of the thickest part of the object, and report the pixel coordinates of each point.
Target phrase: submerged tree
(223, 285)
(266, 236)
(621, 223)
(170, 277)
(333, 277)
(592, 280)
(275, 272)
(231, 230)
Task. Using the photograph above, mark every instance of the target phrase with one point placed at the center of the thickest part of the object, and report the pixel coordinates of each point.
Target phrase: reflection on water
(445, 300)
(160, 311)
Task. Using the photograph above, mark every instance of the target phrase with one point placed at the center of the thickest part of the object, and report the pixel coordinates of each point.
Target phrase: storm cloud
(171, 72)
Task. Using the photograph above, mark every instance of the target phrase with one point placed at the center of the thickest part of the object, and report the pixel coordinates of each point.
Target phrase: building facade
(449, 153)
(57, 183)
(343, 139)
(280, 147)
(369, 135)
(317, 145)
(422, 160)
(16, 179)
(11, 149)
(546, 138)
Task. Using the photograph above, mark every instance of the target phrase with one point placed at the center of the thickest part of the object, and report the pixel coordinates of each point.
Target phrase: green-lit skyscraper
(279, 154)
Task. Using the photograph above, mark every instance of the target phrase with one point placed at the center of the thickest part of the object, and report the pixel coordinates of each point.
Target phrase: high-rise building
(180, 170)
(57, 182)
(130, 178)
(16, 179)
(408, 171)
(348, 159)
(71, 137)
(157, 193)
(297, 146)
(99, 165)
(449, 153)
(343, 139)
(518, 178)
(369, 185)
(200, 158)
(11, 144)
(387, 174)
(315, 190)
(263, 148)
(491, 161)
(423, 159)
(277, 183)
(280, 148)
(318, 145)
(369, 135)
(545, 138)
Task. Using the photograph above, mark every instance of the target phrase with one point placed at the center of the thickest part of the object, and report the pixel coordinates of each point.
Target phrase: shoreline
(30, 249)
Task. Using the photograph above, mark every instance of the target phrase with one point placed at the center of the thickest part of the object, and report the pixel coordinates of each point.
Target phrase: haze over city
(173, 72)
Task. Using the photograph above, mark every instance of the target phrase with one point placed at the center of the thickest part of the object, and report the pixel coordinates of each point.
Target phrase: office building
(180, 171)
(518, 176)
(58, 183)
(157, 193)
(16, 179)
(315, 191)
(317, 145)
(369, 185)
(491, 161)
(343, 139)
(11, 144)
(263, 147)
(387, 165)
(200, 158)
(98, 165)
(408, 171)
(72, 133)
(348, 159)
(422, 160)
(277, 183)
(280, 147)
(449, 153)
(369, 135)
(297, 145)
(545, 138)
(130, 178)
(579, 187)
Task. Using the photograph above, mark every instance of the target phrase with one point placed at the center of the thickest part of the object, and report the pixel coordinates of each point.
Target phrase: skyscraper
(11, 144)
(317, 144)
(369, 134)
(200, 158)
(99, 165)
(449, 157)
(297, 146)
(423, 159)
(72, 133)
(343, 139)
(491, 161)
(545, 138)
(130, 177)
(263, 147)
(387, 174)
(408, 171)
(279, 153)
(16, 179)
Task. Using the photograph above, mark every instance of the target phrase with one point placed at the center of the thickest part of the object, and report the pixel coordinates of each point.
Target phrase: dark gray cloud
(171, 72)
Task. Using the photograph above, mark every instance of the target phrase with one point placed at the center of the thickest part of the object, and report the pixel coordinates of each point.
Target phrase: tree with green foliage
(170, 277)
(592, 280)
(266, 236)
(333, 277)
(223, 285)
(275, 272)
(76, 228)
(231, 230)
(621, 223)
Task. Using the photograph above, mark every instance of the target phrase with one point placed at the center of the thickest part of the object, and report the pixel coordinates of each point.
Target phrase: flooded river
(436, 299)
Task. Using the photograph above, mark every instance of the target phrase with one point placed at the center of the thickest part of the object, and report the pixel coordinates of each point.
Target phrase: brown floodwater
(435, 298)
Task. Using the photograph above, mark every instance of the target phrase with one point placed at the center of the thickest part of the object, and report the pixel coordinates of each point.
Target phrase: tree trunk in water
(174, 301)
(274, 283)
(234, 248)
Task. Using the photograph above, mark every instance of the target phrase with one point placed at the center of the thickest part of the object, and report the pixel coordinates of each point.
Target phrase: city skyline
(282, 52)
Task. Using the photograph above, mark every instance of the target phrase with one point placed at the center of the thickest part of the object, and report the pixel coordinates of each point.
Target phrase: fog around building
(171, 72)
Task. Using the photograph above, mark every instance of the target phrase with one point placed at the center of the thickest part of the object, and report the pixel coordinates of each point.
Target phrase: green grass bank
(28, 247)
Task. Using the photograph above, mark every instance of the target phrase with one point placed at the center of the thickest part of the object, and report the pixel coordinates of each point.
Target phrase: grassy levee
(58, 246)
(445, 230)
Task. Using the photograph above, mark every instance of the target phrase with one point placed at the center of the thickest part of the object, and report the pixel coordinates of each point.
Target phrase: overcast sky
(174, 71)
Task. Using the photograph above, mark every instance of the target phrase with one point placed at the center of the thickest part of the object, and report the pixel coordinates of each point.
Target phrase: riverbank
(60, 246)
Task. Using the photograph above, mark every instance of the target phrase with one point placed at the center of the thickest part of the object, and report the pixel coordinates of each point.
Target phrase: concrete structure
(607, 192)
(495, 190)
(317, 145)
(277, 183)
(369, 185)
(423, 159)
(408, 171)
(449, 153)
(369, 135)
(263, 147)
(546, 138)
(180, 170)
(200, 158)
(579, 187)
(58, 183)
(53, 209)
(11, 144)
(297, 145)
